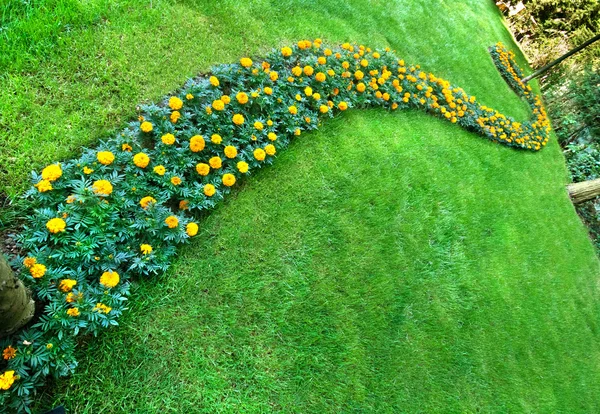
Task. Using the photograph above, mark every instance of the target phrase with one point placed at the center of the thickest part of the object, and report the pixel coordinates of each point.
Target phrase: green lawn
(387, 263)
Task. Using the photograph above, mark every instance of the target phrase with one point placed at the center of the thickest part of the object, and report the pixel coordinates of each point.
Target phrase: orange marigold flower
(230, 151)
(197, 143)
(126, 147)
(43, 186)
(228, 179)
(73, 312)
(184, 205)
(259, 154)
(37, 270)
(9, 352)
(29, 261)
(146, 201)
(308, 70)
(241, 97)
(215, 162)
(172, 222)
(209, 190)
(175, 180)
(218, 105)
(66, 285)
(343, 106)
(286, 51)
(202, 169)
(320, 77)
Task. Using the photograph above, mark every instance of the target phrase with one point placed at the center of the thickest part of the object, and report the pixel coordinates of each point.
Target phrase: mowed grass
(390, 262)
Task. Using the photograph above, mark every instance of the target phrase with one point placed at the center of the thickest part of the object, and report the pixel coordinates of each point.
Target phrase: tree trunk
(584, 191)
(16, 306)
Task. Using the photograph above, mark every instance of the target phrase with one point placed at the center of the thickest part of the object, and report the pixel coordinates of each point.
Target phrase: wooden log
(16, 306)
(584, 191)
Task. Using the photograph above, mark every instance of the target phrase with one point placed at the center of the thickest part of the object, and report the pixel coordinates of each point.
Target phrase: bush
(120, 210)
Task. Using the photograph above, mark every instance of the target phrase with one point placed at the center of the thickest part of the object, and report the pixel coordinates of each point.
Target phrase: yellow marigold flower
(175, 103)
(56, 225)
(331, 72)
(214, 81)
(361, 87)
(191, 229)
(87, 170)
(209, 190)
(168, 139)
(7, 379)
(246, 62)
(238, 119)
(73, 312)
(273, 75)
(29, 261)
(376, 55)
(364, 63)
(323, 109)
(327, 52)
(70, 298)
(159, 169)
(146, 126)
(259, 154)
(109, 279)
(146, 201)
(175, 115)
(216, 139)
(241, 97)
(145, 248)
(272, 136)
(218, 105)
(259, 125)
(320, 77)
(44, 186)
(359, 74)
(286, 51)
(228, 179)
(126, 147)
(105, 157)
(308, 70)
(184, 205)
(316, 96)
(141, 160)
(49, 346)
(175, 180)
(343, 106)
(101, 307)
(230, 151)
(102, 187)
(52, 172)
(321, 60)
(226, 99)
(293, 110)
(254, 94)
(215, 162)
(66, 285)
(208, 110)
(197, 143)
(189, 96)
(298, 97)
(9, 353)
(268, 90)
(270, 149)
(297, 71)
(308, 91)
(172, 222)
(203, 169)
(242, 167)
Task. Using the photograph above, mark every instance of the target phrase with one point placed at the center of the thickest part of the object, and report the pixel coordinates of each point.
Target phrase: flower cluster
(120, 210)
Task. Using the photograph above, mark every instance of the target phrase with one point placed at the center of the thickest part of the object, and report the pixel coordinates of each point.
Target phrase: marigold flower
(209, 190)
(184, 205)
(73, 312)
(359, 75)
(230, 151)
(70, 298)
(226, 99)
(101, 307)
(105, 157)
(7, 379)
(146, 201)
(238, 119)
(43, 186)
(364, 63)
(168, 139)
(259, 154)
(343, 106)
(189, 96)
(320, 77)
(246, 62)
(297, 71)
(109, 279)
(159, 169)
(241, 97)
(87, 170)
(286, 51)
(52, 172)
(268, 90)
(297, 132)
(273, 75)
(175, 115)
(29, 261)
(66, 285)
(126, 147)
(323, 109)
(102, 187)
(259, 125)
(361, 87)
(56, 225)
(228, 179)
(216, 139)
(308, 70)
(175, 103)
(49, 346)
(242, 167)
(215, 162)
(146, 248)
(293, 110)
(202, 169)
(146, 127)
(218, 105)
(175, 180)
(141, 160)
(191, 229)
(9, 353)
(214, 81)
(197, 143)
(172, 222)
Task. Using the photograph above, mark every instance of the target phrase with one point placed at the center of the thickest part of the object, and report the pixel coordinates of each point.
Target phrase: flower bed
(120, 210)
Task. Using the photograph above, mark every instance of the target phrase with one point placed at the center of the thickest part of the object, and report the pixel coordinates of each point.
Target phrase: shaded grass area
(388, 263)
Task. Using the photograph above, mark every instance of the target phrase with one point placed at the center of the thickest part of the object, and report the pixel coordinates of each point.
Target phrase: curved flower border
(120, 210)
